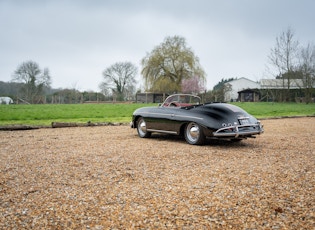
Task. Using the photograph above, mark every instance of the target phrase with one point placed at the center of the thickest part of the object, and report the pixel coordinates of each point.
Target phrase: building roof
(242, 83)
(281, 83)
(242, 79)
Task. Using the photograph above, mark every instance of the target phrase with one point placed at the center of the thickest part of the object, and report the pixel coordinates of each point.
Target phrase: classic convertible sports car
(183, 114)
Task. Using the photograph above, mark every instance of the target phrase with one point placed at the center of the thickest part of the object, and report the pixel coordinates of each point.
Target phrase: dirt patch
(107, 177)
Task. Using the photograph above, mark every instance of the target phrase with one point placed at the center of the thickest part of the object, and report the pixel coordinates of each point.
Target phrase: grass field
(269, 109)
(44, 115)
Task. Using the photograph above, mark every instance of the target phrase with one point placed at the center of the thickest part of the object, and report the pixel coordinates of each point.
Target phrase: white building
(6, 100)
(233, 87)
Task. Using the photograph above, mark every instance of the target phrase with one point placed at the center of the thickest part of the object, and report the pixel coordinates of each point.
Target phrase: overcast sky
(76, 40)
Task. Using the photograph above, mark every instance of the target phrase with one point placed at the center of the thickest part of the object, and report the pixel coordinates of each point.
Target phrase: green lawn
(272, 109)
(81, 113)
(44, 115)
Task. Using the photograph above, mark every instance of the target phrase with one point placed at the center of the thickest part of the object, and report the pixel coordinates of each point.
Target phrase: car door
(161, 119)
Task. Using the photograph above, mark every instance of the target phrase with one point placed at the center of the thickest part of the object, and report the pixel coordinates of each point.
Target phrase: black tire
(142, 128)
(194, 134)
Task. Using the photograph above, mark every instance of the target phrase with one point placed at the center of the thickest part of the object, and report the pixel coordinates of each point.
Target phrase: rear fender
(207, 132)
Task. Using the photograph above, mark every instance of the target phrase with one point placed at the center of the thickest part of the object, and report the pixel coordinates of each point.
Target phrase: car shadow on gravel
(209, 142)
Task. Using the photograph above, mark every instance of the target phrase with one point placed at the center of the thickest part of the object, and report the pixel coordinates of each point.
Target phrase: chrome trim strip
(173, 115)
(242, 117)
(199, 118)
(164, 114)
(161, 131)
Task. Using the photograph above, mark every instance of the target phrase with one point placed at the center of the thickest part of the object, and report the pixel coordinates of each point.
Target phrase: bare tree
(105, 89)
(34, 79)
(284, 57)
(168, 64)
(307, 69)
(119, 77)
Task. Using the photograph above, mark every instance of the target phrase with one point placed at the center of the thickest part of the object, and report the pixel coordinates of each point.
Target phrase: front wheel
(142, 128)
(194, 134)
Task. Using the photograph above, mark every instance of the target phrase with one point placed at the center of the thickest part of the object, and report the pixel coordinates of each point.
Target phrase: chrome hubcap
(142, 127)
(193, 132)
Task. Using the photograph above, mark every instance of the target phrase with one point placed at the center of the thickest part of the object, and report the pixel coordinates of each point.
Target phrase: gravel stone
(106, 177)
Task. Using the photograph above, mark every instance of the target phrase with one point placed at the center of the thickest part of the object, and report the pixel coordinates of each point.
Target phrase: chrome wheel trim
(193, 132)
(142, 127)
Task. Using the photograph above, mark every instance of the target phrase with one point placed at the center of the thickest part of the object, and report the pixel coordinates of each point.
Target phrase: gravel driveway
(108, 178)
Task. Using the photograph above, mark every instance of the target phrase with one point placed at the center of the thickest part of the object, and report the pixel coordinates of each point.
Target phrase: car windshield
(181, 100)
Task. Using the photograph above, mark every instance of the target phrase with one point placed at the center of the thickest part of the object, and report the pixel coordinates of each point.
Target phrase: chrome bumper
(239, 131)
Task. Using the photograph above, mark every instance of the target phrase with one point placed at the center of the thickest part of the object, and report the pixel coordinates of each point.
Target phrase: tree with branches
(194, 85)
(167, 65)
(120, 78)
(34, 81)
(284, 56)
(307, 70)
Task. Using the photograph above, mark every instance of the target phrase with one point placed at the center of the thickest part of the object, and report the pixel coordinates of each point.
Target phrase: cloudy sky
(77, 39)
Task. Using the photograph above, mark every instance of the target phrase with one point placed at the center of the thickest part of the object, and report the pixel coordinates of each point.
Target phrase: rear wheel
(142, 128)
(194, 134)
